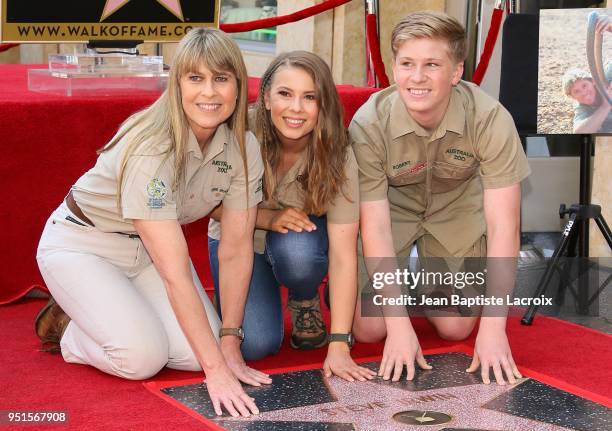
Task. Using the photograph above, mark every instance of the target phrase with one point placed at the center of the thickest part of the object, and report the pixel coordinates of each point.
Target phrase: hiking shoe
(50, 325)
(308, 327)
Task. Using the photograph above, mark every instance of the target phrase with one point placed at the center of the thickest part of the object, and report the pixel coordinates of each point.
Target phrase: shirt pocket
(201, 199)
(216, 193)
(446, 176)
(416, 174)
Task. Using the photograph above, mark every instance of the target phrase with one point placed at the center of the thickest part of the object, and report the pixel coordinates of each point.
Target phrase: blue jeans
(296, 260)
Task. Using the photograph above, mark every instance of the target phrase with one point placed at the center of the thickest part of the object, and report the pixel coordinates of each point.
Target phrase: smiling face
(292, 102)
(425, 74)
(208, 99)
(583, 91)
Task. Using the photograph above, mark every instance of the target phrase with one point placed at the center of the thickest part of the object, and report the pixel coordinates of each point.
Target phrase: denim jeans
(296, 260)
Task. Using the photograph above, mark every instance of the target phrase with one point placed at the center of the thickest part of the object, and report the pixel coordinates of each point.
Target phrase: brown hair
(431, 25)
(323, 174)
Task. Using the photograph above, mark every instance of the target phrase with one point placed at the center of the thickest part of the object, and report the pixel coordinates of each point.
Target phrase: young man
(440, 163)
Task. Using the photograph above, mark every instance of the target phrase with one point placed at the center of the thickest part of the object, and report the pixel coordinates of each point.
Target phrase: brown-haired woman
(307, 225)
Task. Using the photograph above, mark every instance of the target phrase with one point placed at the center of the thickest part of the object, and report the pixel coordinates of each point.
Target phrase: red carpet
(577, 359)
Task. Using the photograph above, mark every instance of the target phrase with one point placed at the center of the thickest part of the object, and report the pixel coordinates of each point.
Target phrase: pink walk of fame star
(113, 6)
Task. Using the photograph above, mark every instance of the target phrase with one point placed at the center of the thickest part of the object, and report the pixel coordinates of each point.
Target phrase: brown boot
(308, 327)
(50, 325)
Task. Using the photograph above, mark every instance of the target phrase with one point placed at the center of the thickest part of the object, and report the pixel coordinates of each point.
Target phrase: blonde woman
(126, 298)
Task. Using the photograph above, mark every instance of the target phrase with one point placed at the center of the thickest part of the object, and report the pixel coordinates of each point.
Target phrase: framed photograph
(575, 71)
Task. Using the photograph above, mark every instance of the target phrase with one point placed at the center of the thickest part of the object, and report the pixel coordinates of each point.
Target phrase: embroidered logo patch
(401, 165)
(156, 189)
(222, 166)
(459, 154)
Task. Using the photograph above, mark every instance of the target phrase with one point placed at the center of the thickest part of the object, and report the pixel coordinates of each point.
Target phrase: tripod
(566, 247)
(576, 230)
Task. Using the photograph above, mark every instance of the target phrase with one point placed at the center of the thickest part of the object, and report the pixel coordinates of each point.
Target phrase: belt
(74, 208)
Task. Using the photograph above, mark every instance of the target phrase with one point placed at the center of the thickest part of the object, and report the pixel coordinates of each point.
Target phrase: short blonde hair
(431, 25)
(571, 76)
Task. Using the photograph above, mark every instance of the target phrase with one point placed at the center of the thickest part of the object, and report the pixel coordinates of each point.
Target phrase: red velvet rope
(372, 36)
(7, 46)
(487, 52)
(283, 19)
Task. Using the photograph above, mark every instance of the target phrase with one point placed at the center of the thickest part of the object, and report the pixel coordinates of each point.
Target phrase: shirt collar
(214, 148)
(193, 146)
(401, 123)
(454, 118)
(296, 170)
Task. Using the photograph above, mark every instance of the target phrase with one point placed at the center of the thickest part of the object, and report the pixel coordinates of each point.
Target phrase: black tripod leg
(605, 230)
(543, 284)
(567, 266)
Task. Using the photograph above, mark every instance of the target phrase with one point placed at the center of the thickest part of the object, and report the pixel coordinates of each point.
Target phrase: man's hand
(492, 350)
(339, 362)
(230, 347)
(291, 219)
(603, 24)
(401, 348)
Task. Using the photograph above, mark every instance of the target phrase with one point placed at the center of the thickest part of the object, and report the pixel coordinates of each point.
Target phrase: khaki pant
(122, 321)
(432, 258)
(428, 247)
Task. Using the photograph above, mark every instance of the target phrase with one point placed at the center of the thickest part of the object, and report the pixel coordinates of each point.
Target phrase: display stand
(95, 73)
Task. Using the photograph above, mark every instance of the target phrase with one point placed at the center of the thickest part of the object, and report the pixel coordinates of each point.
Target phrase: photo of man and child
(574, 72)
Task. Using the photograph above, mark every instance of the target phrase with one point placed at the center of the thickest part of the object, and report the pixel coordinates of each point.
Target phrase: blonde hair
(166, 119)
(323, 174)
(571, 76)
(431, 25)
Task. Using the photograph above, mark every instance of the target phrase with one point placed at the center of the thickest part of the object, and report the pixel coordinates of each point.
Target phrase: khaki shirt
(148, 190)
(344, 209)
(434, 180)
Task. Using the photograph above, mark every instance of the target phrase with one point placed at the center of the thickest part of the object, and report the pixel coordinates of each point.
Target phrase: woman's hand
(230, 346)
(291, 219)
(339, 362)
(225, 390)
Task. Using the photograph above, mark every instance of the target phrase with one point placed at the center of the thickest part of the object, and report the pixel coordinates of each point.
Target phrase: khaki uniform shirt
(148, 190)
(434, 180)
(343, 209)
